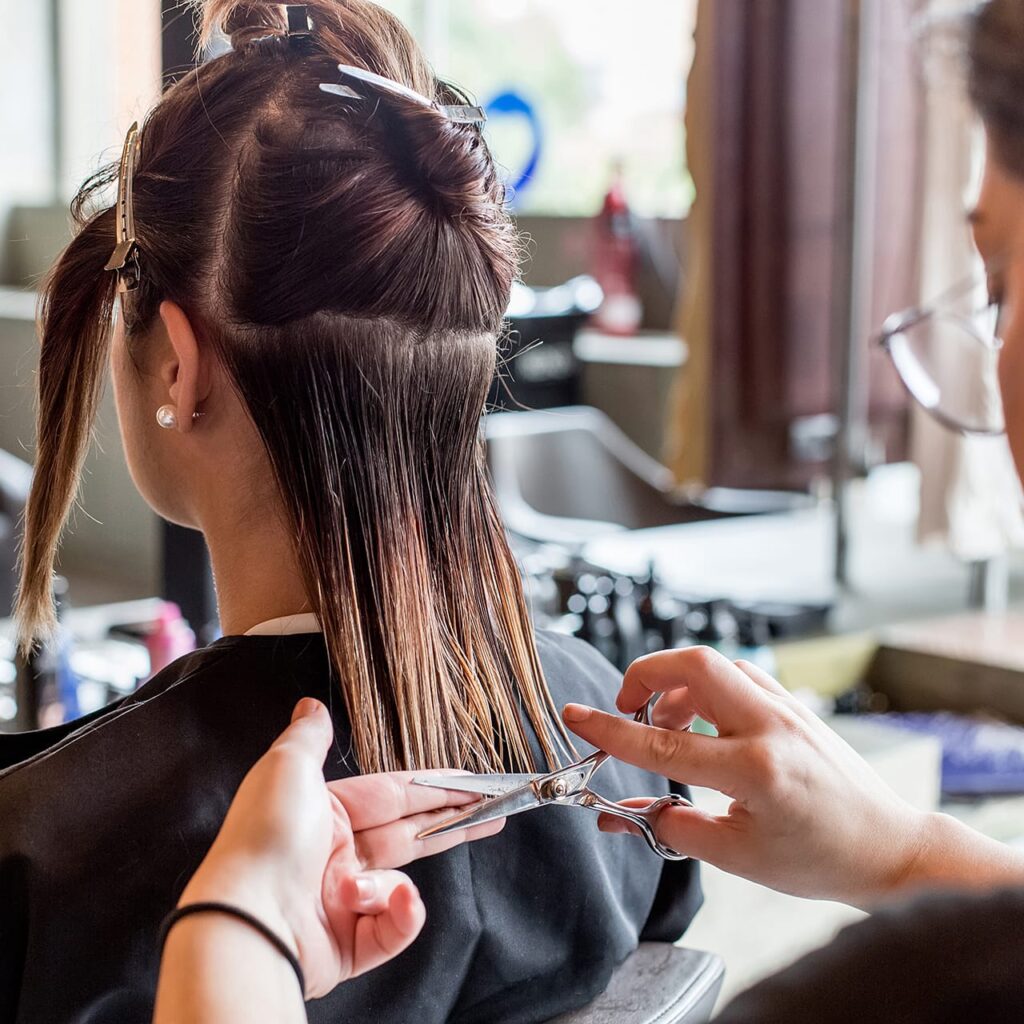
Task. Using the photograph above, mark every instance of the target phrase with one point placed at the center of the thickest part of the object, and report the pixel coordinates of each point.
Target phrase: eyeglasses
(948, 360)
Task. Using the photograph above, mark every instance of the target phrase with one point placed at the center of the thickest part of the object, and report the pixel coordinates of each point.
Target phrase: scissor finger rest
(644, 714)
(642, 817)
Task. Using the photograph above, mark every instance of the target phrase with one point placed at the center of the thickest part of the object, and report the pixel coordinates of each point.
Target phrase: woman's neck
(256, 574)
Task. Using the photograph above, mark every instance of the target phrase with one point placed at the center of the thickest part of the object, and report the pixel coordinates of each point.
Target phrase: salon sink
(569, 475)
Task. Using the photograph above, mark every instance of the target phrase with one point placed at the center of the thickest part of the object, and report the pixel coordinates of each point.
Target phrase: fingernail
(306, 707)
(366, 889)
(576, 713)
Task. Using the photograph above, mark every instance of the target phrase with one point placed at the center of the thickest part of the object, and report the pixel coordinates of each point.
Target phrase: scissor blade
(485, 785)
(519, 800)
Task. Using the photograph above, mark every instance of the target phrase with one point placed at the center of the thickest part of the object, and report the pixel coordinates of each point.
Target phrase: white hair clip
(459, 113)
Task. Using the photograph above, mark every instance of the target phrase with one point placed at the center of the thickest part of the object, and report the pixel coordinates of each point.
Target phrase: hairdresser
(809, 817)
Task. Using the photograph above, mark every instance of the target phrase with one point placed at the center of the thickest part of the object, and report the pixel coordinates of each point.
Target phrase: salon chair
(569, 475)
(658, 984)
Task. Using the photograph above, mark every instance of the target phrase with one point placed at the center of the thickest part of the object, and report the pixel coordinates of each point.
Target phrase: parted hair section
(350, 261)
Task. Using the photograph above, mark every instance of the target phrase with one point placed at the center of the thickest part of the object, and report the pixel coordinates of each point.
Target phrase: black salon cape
(100, 832)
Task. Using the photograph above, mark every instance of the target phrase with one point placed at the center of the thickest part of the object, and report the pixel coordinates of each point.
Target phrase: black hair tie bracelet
(254, 922)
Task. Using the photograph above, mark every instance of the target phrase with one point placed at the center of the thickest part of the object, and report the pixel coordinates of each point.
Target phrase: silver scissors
(505, 795)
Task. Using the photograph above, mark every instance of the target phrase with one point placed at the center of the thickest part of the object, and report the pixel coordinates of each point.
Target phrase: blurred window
(26, 84)
(73, 74)
(606, 87)
(607, 82)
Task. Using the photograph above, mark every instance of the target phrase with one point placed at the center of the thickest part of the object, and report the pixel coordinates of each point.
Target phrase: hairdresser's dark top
(102, 830)
(945, 958)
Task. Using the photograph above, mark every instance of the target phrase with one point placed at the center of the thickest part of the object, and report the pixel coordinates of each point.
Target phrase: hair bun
(242, 21)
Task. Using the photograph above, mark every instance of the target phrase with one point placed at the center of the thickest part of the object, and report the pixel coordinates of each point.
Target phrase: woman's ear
(187, 375)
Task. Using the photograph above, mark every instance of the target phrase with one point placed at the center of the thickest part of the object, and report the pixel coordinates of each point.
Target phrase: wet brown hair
(350, 263)
(995, 59)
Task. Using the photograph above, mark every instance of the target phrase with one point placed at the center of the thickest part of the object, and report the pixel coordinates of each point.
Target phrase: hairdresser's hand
(314, 860)
(809, 816)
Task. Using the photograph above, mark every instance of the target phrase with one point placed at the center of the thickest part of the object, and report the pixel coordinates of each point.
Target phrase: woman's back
(106, 827)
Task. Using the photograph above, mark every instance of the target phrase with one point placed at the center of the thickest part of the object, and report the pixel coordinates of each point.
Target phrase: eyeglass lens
(949, 365)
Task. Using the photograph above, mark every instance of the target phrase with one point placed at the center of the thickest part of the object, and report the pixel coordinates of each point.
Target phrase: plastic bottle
(615, 263)
(170, 638)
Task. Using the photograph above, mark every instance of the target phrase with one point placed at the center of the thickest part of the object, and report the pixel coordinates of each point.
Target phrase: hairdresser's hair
(995, 57)
(350, 263)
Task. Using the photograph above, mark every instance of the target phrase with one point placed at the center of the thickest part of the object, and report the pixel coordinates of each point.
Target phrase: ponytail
(76, 313)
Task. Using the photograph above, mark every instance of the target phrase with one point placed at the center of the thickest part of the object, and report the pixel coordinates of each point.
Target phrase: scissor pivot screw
(558, 788)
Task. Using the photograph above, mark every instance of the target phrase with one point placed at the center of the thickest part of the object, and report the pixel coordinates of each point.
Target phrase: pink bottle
(170, 638)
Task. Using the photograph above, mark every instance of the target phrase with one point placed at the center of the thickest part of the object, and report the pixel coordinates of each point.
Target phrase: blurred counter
(630, 381)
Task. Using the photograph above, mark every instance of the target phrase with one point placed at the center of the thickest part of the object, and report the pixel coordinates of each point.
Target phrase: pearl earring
(167, 417)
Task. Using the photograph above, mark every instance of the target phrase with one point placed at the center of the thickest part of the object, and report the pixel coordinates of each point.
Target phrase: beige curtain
(970, 494)
(688, 434)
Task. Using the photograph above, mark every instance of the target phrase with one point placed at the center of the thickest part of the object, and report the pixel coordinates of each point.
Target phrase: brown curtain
(767, 123)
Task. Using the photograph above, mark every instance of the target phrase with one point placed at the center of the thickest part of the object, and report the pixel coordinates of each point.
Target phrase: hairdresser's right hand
(809, 816)
(315, 861)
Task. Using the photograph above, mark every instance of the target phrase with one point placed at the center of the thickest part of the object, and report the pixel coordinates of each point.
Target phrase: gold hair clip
(460, 113)
(125, 259)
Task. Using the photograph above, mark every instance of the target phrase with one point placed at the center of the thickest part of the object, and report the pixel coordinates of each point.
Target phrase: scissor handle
(595, 760)
(643, 714)
(642, 817)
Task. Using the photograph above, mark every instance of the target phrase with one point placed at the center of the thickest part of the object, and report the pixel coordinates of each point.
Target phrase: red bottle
(616, 258)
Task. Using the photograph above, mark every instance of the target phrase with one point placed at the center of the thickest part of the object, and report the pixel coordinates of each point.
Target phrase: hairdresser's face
(998, 224)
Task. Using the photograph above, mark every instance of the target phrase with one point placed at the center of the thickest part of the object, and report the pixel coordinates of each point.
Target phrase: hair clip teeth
(340, 90)
(462, 113)
(125, 263)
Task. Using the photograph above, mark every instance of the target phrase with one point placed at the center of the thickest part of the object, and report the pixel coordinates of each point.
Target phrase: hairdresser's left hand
(315, 860)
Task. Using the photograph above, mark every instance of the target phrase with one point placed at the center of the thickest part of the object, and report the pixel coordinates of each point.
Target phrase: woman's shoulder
(576, 671)
(19, 751)
(154, 776)
(569, 653)
(215, 693)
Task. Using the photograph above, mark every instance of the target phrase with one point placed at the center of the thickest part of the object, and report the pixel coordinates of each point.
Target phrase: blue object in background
(978, 757)
(67, 679)
(512, 104)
